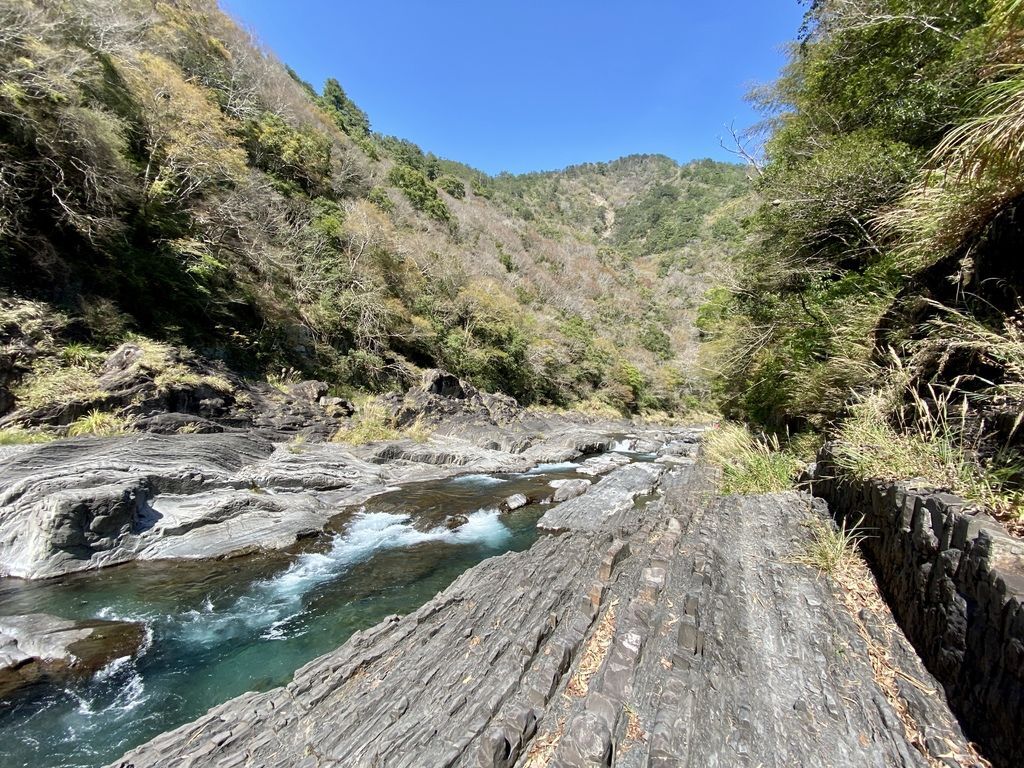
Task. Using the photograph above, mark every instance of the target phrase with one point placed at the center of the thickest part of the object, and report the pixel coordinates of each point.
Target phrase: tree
(349, 117)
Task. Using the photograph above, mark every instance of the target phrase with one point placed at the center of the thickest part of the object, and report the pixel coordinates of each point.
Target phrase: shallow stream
(218, 629)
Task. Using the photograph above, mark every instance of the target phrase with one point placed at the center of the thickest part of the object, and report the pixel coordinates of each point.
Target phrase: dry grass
(167, 366)
(831, 550)
(594, 654)
(933, 449)
(372, 423)
(749, 463)
(543, 747)
(634, 728)
(857, 590)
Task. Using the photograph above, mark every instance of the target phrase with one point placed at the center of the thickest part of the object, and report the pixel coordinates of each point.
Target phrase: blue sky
(533, 85)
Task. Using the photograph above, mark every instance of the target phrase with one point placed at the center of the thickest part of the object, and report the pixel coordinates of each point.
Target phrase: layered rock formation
(72, 505)
(675, 632)
(37, 648)
(955, 580)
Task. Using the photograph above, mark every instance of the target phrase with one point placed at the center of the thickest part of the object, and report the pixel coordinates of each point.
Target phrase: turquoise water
(219, 629)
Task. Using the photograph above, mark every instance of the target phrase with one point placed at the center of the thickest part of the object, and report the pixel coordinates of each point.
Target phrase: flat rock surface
(679, 632)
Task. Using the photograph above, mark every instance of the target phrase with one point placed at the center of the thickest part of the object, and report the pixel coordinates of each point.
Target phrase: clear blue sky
(535, 85)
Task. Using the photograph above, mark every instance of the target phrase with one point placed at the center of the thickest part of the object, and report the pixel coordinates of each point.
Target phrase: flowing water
(218, 629)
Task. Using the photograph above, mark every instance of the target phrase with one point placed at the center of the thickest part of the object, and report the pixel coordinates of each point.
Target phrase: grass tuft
(749, 463)
(372, 424)
(99, 424)
(22, 436)
(832, 549)
(50, 384)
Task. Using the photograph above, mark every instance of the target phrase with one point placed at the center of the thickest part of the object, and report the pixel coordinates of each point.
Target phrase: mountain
(167, 178)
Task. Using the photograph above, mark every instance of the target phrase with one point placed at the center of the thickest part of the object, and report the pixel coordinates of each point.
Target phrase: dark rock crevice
(955, 581)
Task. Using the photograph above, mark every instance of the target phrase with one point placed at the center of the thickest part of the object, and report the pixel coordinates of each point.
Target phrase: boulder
(514, 502)
(568, 489)
(39, 648)
(309, 391)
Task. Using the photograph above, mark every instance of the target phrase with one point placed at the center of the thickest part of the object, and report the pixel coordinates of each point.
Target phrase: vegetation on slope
(165, 176)
(879, 298)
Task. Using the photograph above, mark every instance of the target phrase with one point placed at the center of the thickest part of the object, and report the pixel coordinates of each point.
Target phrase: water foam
(478, 479)
(274, 603)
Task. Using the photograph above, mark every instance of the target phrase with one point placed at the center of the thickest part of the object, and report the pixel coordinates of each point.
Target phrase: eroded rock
(39, 648)
(667, 635)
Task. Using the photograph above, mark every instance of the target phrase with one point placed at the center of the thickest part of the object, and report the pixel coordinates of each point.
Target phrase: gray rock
(514, 502)
(37, 648)
(72, 505)
(568, 489)
(600, 465)
(85, 503)
(309, 391)
(604, 504)
(668, 635)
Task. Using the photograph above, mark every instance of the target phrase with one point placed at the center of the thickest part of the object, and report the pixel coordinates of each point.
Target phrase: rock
(71, 505)
(568, 489)
(453, 522)
(444, 397)
(308, 391)
(37, 648)
(337, 407)
(514, 502)
(172, 423)
(670, 635)
(599, 465)
(606, 501)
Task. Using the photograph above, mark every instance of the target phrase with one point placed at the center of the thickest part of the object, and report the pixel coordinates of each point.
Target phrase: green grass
(749, 463)
(51, 384)
(80, 355)
(99, 424)
(22, 436)
(831, 549)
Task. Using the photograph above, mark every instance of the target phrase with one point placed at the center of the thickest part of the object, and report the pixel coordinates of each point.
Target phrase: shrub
(379, 197)
(452, 186)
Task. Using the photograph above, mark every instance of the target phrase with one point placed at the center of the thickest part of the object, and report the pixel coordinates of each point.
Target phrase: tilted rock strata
(955, 580)
(668, 634)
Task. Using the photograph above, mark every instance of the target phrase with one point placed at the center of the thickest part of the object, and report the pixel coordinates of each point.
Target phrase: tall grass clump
(750, 463)
(372, 424)
(99, 424)
(831, 549)
(935, 446)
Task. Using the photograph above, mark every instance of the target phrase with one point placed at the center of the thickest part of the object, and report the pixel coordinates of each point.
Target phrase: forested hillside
(879, 300)
(165, 178)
